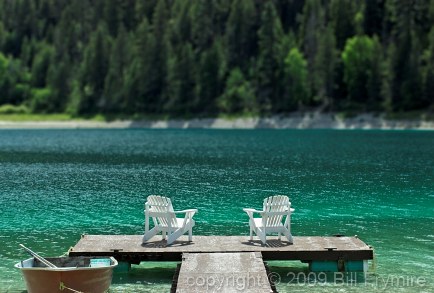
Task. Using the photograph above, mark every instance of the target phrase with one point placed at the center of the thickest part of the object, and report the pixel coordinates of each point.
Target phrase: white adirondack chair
(160, 209)
(275, 218)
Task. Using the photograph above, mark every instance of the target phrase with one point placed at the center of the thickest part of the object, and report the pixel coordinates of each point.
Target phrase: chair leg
(279, 236)
(190, 234)
(251, 234)
(146, 224)
(172, 236)
(263, 238)
(163, 235)
(148, 235)
(290, 239)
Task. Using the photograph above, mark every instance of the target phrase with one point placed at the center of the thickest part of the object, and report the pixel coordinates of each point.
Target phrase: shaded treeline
(204, 57)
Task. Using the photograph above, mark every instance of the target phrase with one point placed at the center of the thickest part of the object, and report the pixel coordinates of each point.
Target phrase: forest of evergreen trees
(206, 57)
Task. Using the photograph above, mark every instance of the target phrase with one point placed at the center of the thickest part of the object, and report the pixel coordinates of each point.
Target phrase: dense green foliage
(205, 57)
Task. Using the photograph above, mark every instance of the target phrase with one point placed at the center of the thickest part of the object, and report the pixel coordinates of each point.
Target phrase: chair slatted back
(161, 210)
(275, 208)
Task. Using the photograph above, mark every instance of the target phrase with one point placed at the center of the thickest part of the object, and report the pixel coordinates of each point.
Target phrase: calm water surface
(58, 184)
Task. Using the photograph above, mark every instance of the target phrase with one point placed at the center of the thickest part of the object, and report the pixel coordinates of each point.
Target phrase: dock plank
(305, 248)
(223, 272)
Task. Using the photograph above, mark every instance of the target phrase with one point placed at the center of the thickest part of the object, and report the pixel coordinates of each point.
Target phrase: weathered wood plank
(305, 248)
(223, 272)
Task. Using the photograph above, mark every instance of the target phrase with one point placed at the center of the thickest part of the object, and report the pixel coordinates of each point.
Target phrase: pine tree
(406, 84)
(362, 72)
(373, 17)
(14, 81)
(73, 31)
(128, 16)
(2, 35)
(145, 9)
(140, 76)
(5, 80)
(23, 23)
(112, 16)
(181, 81)
(342, 14)
(289, 11)
(428, 61)
(297, 88)
(238, 96)
(324, 67)
(312, 23)
(202, 14)
(209, 79)
(180, 29)
(240, 32)
(114, 85)
(156, 95)
(41, 64)
(428, 73)
(93, 72)
(270, 59)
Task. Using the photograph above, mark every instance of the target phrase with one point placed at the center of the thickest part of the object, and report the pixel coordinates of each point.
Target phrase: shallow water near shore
(58, 184)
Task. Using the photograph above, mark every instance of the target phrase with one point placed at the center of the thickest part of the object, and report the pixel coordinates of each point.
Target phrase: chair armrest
(251, 211)
(186, 211)
(291, 210)
(188, 214)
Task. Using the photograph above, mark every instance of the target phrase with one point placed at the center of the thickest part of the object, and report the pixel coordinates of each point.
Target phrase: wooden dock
(222, 272)
(129, 248)
(229, 263)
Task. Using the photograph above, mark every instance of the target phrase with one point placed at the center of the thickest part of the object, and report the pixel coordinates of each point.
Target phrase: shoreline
(310, 120)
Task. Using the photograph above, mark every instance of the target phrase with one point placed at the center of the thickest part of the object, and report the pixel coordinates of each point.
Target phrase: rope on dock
(62, 287)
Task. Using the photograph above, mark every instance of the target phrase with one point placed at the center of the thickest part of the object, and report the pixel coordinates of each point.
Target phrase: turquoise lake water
(58, 184)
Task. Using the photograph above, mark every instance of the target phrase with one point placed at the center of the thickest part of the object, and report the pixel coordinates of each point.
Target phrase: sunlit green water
(58, 184)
